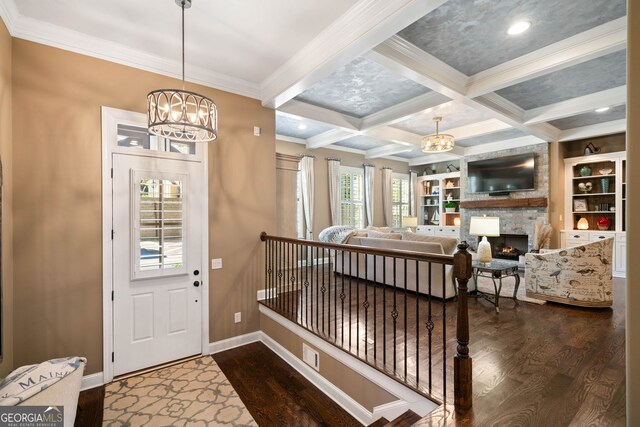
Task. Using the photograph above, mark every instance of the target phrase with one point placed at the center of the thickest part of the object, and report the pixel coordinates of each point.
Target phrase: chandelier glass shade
(439, 142)
(181, 115)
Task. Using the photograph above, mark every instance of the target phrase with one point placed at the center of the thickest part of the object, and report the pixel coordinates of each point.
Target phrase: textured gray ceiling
(453, 115)
(289, 127)
(592, 118)
(471, 35)
(361, 143)
(361, 88)
(602, 73)
(502, 135)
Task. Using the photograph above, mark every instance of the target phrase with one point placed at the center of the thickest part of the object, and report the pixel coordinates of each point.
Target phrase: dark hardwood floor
(274, 393)
(90, 407)
(533, 365)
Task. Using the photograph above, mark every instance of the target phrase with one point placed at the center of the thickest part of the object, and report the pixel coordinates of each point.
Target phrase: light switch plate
(216, 263)
(256, 131)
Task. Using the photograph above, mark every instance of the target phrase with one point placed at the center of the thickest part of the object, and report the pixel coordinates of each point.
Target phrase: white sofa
(431, 245)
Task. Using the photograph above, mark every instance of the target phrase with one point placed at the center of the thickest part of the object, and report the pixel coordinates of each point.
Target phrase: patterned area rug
(508, 283)
(194, 393)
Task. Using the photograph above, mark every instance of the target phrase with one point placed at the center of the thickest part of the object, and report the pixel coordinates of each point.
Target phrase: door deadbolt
(196, 272)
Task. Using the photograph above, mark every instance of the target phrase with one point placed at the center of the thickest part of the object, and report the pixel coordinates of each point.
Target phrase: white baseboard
(341, 398)
(229, 343)
(92, 381)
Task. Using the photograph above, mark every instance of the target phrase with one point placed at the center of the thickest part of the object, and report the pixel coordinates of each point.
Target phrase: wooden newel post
(462, 362)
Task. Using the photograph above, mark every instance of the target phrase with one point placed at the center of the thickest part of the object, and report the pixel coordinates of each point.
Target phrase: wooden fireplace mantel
(534, 202)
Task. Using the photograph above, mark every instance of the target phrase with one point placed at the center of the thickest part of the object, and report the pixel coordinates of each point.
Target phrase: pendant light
(438, 143)
(181, 115)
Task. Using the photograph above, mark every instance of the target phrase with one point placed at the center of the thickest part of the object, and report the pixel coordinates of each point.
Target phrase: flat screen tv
(502, 174)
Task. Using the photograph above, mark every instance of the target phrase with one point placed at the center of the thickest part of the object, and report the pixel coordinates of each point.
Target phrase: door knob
(196, 283)
(196, 272)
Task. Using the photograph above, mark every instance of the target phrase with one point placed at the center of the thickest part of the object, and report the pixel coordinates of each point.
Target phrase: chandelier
(181, 115)
(438, 143)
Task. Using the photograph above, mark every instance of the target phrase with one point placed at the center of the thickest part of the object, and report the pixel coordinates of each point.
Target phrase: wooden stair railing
(299, 286)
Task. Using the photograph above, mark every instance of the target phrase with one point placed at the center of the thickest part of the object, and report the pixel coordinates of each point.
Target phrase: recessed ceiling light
(602, 110)
(302, 126)
(519, 28)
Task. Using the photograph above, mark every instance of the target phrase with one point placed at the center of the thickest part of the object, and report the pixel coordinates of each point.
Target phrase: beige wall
(633, 205)
(6, 364)
(322, 214)
(363, 391)
(57, 97)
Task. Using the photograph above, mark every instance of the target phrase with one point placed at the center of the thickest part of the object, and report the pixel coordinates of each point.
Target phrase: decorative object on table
(179, 114)
(410, 222)
(605, 184)
(605, 171)
(485, 226)
(585, 171)
(438, 142)
(435, 190)
(590, 149)
(450, 207)
(580, 205)
(585, 187)
(456, 221)
(603, 223)
(541, 235)
(451, 167)
(583, 224)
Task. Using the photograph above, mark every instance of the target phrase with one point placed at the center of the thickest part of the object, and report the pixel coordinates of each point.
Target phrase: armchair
(580, 275)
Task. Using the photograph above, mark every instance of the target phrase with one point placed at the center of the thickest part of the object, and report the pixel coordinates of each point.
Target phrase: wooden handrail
(397, 253)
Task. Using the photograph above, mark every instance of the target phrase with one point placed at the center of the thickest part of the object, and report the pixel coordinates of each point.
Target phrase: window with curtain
(352, 197)
(399, 198)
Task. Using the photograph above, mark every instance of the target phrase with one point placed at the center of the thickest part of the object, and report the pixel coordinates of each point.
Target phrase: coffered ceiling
(368, 76)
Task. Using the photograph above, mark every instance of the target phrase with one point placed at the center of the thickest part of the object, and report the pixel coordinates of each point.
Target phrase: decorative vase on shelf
(605, 185)
(585, 171)
(603, 223)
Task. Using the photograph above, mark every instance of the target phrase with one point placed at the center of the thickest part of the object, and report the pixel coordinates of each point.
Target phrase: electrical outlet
(310, 357)
(216, 263)
(237, 317)
(256, 131)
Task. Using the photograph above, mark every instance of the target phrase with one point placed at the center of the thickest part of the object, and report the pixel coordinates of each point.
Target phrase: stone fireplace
(513, 220)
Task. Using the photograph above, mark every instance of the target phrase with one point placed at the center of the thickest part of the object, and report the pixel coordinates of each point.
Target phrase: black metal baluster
(329, 292)
(429, 326)
(350, 297)
(384, 312)
(444, 335)
(405, 320)
(342, 296)
(417, 323)
(323, 289)
(335, 296)
(394, 314)
(375, 308)
(358, 305)
(365, 304)
(297, 286)
(317, 286)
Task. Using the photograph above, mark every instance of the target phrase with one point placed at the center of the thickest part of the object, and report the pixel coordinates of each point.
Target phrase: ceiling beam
(302, 110)
(478, 129)
(362, 27)
(454, 154)
(291, 139)
(413, 63)
(593, 43)
(580, 105)
(601, 129)
(400, 111)
(387, 150)
(328, 138)
(391, 134)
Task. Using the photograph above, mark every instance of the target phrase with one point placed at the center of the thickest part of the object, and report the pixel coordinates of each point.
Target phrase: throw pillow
(380, 229)
(449, 244)
(380, 235)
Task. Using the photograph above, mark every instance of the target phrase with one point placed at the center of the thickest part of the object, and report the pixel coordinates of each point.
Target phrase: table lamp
(484, 226)
(410, 222)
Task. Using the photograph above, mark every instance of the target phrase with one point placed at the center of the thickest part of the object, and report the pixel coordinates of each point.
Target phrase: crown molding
(601, 129)
(365, 25)
(580, 105)
(37, 31)
(599, 41)
(293, 139)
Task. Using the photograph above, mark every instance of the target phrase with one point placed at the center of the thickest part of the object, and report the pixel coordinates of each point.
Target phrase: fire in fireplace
(509, 246)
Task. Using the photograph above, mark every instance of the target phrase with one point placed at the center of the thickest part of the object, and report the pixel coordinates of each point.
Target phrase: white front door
(157, 256)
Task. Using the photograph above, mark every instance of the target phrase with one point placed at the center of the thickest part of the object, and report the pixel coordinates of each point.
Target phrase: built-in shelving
(437, 190)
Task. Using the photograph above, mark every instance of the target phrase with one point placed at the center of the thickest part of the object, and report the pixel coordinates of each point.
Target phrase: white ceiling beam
(508, 144)
(593, 43)
(391, 134)
(328, 138)
(362, 27)
(434, 158)
(387, 150)
(413, 63)
(580, 105)
(299, 109)
(478, 129)
(291, 139)
(400, 111)
(601, 129)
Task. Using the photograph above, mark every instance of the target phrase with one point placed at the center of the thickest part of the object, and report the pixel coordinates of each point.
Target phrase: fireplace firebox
(509, 246)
